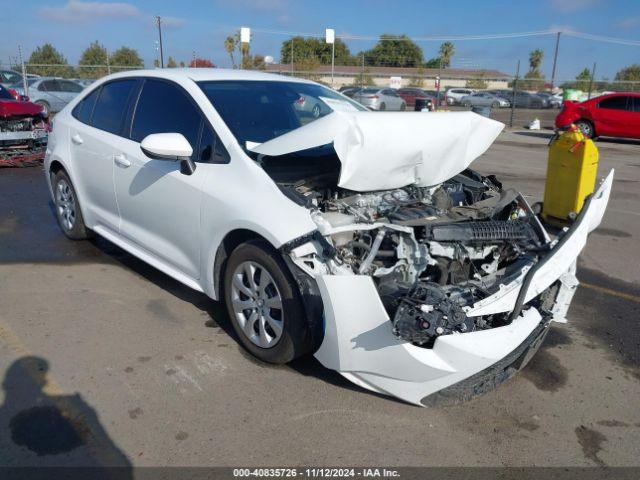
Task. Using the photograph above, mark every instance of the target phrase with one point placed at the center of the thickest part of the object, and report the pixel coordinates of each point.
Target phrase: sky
(200, 26)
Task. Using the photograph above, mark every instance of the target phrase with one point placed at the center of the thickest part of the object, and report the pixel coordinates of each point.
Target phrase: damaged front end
(426, 286)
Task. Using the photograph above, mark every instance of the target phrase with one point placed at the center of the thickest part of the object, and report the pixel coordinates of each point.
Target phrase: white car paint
(447, 144)
(359, 344)
(177, 222)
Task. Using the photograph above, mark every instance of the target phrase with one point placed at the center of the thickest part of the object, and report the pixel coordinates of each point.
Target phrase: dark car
(522, 99)
(612, 115)
(410, 95)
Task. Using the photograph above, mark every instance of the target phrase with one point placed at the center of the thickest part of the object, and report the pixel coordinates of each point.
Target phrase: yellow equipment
(571, 174)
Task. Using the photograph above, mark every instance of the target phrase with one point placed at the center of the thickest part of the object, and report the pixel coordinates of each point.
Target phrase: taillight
(13, 93)
(300, 101)
(371, 96)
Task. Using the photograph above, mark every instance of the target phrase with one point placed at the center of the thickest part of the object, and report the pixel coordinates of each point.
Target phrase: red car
(21, 121)
(410, 95)
(611, 115)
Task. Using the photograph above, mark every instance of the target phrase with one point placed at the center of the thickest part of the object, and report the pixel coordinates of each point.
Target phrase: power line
(440, 38)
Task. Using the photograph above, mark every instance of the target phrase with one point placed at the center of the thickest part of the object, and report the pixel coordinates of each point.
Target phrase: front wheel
(45, 107)
(466, 104)
(315, 111)
(383, 106)
(264, 304)
(67, 207)
(403, 107)
(585, 127)
(495, 105)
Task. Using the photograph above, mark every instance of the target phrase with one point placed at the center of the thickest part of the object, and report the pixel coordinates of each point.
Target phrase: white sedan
(359, 237)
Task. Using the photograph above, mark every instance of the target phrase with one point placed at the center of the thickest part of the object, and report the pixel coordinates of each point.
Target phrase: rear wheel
(466, 104)
(383, 106)
(403, 107)
(68, 211)
(315, 111)
(264, 304)
(495, 105)
(586, 127)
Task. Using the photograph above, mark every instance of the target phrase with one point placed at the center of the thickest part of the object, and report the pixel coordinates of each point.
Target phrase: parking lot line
(613, 293)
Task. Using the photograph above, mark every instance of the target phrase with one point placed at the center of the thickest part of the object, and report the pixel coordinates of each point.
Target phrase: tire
(495, 105)
(67, 208)
(466, 104)
(315, 111)
(266, 311)
(46, 109)
(586, 127)
(403, 107)
(383, 106)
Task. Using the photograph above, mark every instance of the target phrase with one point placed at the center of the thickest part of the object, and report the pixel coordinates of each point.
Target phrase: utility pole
(593, 74)
(159, 22)
(292, 55)
(555, 60)
(25, 84)
(513, 99)
(108, 64)
(362, 75)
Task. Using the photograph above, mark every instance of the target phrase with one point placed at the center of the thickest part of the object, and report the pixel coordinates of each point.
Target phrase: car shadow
(217, 316)
(537, 134)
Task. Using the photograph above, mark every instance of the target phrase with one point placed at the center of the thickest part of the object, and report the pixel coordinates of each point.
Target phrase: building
(381, 76)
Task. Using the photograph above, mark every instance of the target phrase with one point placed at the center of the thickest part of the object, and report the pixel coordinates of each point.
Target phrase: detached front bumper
(358, 341)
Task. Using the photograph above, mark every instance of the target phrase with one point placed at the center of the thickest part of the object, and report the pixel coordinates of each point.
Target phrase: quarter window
(108, 113)
(84, 109)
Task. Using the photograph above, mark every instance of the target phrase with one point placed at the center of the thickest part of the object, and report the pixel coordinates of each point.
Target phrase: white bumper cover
(359, 343)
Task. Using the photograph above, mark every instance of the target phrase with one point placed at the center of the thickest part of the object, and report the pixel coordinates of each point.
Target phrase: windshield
(4, 94)
(258, 111)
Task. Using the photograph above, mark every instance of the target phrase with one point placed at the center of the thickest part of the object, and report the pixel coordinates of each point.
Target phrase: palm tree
(446, 52)
(535, 60)
(230, 47)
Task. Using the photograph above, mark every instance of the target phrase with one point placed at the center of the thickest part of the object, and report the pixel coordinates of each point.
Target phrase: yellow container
(571, 174)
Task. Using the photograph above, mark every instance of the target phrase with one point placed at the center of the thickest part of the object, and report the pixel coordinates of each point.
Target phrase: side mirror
(171, 147)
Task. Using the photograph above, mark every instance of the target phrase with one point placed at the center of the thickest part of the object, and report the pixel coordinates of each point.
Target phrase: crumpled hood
(10, 108)
(386, 150)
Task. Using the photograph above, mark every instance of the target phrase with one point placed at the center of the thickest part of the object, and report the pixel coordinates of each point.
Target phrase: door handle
(121, 160)
(77, 139)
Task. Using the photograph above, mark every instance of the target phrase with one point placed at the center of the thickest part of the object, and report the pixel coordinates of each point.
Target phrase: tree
(583, 79)
(57, 65)
(201, 63)
(629, 74)
(364, 79)
(435, 62)
(395, 51)
(316, 48)
(94, 60)
(230, 47)
(446, 53)
(535, 60)
(125, 57)
(418, 79)
(171, 63)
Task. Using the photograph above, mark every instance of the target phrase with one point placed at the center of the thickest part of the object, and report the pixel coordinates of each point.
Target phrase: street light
(330, 37)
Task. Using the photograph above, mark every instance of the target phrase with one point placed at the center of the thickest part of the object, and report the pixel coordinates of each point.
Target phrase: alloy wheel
(257, 304)
(65, 204)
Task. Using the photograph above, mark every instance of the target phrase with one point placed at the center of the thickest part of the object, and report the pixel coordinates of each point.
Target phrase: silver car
(484, 99)
(380, 99)
(50, 93)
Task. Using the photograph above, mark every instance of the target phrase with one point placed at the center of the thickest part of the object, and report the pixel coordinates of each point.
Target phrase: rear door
(159, 205)
(635, 124)
(614, 116)
(100, 118)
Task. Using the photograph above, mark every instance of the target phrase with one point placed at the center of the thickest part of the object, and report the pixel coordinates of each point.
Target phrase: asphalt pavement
(106, 361)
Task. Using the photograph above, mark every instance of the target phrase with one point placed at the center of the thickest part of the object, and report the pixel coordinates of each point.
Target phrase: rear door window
(615, 103)
(109, 111)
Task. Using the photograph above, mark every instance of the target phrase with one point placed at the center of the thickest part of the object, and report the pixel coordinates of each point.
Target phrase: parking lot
(137, 369)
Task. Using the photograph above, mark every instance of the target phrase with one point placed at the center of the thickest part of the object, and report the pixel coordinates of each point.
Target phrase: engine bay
(433, 252)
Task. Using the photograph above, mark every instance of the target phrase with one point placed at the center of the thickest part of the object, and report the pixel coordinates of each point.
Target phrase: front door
(159, 205)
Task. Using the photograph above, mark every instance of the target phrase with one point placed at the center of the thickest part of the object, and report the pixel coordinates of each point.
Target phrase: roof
(204, 74)
(400, 71)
